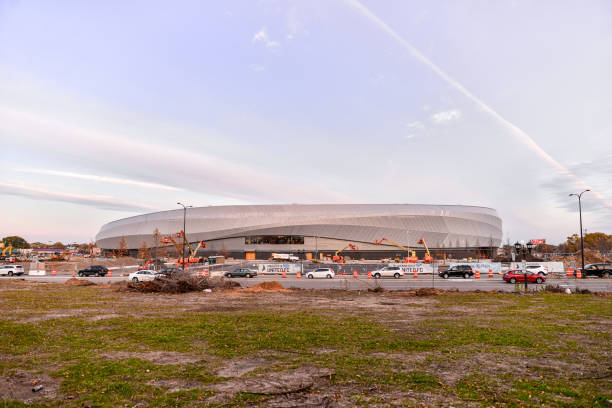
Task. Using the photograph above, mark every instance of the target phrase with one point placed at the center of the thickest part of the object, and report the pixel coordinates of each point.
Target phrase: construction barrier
(298, 275)
(284, 273)
(199, 274)
(355, 273)
(477, 274)
(578, 274)
(369, 274)
(416, 274)
(110, 274)
(490, 273)
(569, 272)
(206, 273)
(53, 272)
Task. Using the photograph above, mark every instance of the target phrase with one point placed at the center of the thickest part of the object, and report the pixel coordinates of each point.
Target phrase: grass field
(96, 346)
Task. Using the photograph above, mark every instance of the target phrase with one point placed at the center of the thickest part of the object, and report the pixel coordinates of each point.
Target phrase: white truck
(285, 257)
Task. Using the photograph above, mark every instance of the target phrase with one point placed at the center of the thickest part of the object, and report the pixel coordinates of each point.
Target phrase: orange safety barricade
(477, 274)
(490, 273)
(355, 273)
(284, 274)
(369, 274)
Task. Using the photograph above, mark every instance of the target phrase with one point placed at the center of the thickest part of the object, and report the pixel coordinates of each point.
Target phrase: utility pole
(184, 234)
(580, 211)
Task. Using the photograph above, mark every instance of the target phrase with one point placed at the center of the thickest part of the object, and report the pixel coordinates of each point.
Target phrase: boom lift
(9, 249)
(340, 258)
(428, 257)
(412, 259)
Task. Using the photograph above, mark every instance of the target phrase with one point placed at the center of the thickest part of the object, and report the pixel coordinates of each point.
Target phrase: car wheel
(396, 276)
(135, 280)
(81, 274)
(466, 275)
(229, 275)
(310, 276)
(377, 275)
(539, 280)
(248, 275)
(10, 273)
(445, 276)
(329, 276)
(512, 280)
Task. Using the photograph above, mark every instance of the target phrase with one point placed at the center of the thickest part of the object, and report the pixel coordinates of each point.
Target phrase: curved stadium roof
(443, 226)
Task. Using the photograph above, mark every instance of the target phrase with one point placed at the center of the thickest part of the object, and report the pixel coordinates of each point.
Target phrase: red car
(519, 276)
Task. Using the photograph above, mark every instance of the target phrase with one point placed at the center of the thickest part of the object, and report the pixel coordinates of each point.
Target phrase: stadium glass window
(274, 240)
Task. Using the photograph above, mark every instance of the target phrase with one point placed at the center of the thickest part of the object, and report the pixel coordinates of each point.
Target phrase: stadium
(315, 230)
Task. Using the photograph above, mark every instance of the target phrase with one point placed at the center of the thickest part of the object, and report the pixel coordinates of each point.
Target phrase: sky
(111, 109)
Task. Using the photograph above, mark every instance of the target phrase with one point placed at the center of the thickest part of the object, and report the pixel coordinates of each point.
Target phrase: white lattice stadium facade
(320, 228)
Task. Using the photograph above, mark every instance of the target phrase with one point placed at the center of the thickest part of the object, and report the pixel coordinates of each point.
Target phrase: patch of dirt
(155, 357)
(175, 384)
(19, 386)
(295, 401)
(266, 286)
(236, 368)
(103, 317)
(277, 383)
(78, 282)
(49, 316)
(428, 292)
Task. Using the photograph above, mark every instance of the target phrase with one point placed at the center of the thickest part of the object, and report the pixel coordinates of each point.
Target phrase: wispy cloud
(257, 67)
(514, 130)
(446, 116)
(262, 37)
(101, 202)
(417, 125)
(104, 179)
(186, 169)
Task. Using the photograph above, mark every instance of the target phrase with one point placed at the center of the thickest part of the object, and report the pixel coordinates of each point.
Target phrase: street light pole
(184, 234)
(580, 211)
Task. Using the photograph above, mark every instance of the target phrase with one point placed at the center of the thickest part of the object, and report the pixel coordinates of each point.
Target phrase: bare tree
(122, 248)
(143, 251)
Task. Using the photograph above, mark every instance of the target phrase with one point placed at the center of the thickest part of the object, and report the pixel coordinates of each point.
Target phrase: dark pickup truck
(600, 270)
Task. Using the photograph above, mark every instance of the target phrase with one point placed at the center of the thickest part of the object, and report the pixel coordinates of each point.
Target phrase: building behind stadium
(315, 230)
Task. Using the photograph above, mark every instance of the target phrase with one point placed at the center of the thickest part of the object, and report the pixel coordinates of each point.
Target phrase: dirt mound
(270, 286)
(28, 387)
(78, 282)
(428, 292)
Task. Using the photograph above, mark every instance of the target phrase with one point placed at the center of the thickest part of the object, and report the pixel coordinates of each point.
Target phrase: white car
(321, 273)
(539, 269)
(388, 271)
(11, 270)
(143, 275)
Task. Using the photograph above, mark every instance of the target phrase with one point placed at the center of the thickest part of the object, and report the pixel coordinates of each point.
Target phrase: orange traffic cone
(578, 274)
(298, 275)
(490, 273)
(344, 273)
(53, 272)
(369, 274)
(284, 274)
(355, 273)
(110, 274)
(416, 273)
(477, 274)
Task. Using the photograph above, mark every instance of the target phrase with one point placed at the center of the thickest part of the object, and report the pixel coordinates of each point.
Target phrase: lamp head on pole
(517, 246)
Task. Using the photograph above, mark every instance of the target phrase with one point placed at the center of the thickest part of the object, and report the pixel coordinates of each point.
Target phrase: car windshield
(321, 270)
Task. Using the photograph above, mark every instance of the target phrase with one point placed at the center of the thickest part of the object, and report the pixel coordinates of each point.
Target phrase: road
(362, 283)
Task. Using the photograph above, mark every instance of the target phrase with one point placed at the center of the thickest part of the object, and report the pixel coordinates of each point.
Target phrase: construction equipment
(340, 258)
(428, 258)
(9, 249)
(412, 259)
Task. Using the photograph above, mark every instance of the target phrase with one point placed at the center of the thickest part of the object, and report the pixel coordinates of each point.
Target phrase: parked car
(518, 275)
(241, 272)
(11, 270)
(599, 270)
(537, 269)
(327, 273)
(458, 270)
(388, 271)
(94, 270)
(143, 275)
